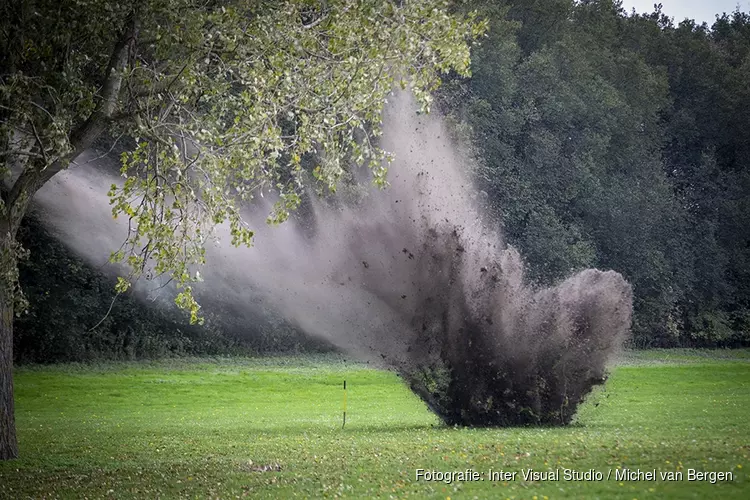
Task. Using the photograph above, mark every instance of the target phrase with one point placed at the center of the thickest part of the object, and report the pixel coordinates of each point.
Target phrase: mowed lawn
(271, 428)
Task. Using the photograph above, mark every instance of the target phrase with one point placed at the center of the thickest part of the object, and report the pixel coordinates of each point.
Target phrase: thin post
(344, 406)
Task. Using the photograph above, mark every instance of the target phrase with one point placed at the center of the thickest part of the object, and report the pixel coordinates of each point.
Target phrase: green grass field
(224, 428)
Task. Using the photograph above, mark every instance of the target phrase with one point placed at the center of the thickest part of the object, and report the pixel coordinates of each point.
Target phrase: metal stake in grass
(344, 405)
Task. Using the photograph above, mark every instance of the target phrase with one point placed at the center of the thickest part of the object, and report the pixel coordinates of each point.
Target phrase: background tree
(620, 142)
(221, 98)
(75, 315)
(706, 158)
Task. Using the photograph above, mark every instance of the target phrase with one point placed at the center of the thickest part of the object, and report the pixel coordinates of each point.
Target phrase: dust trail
(411, 276)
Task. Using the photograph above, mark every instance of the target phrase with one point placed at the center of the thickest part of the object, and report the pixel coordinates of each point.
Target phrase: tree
(221, 99)
(567, 122)
(621, 142)
(706, 158)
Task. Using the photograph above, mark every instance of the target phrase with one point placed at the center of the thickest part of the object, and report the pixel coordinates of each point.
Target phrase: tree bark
(8, 442)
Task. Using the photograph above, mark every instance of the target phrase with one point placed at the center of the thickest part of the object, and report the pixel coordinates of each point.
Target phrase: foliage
(205, 428)
(620, 142)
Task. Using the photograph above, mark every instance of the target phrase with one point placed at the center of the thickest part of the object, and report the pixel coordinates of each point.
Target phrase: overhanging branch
(37, 173)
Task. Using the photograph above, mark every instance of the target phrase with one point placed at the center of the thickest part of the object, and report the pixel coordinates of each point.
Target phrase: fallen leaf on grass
(272, 467)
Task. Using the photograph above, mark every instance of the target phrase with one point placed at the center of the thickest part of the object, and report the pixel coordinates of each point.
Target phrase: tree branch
(36, 173)
(82, 138)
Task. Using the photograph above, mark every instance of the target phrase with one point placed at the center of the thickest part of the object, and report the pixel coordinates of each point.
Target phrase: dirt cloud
(413, 277)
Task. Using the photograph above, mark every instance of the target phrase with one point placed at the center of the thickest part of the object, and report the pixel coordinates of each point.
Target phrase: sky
(700, 10)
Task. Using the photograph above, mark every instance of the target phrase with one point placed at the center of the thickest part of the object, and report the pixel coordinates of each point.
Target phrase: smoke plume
(413, 277)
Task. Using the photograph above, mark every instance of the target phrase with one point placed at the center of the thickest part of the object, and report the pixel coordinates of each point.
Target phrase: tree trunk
(8, 442)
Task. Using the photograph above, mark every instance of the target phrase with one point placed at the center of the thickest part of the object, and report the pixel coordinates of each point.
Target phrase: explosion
(414, 276)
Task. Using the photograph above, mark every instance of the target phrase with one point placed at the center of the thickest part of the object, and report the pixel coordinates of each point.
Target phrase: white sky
(700, 10)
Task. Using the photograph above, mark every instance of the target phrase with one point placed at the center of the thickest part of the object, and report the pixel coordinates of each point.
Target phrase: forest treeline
(622, 142)
(74, 314)
(602, 139)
